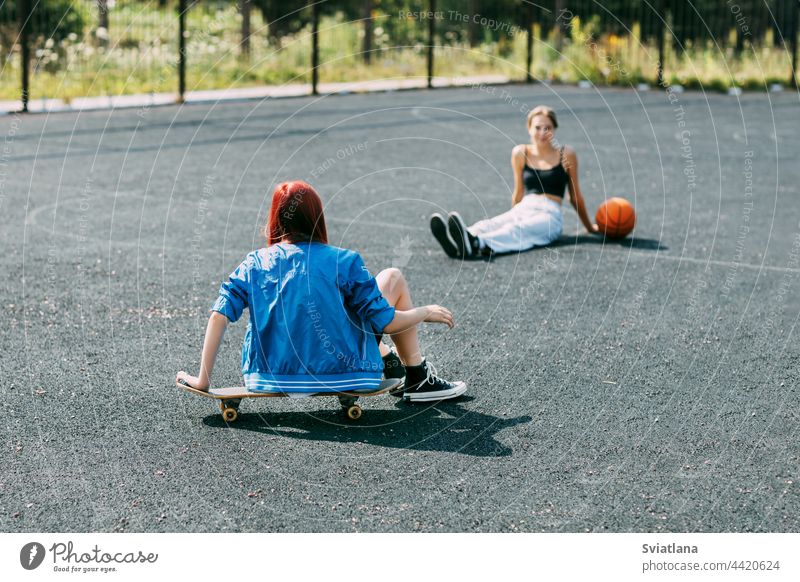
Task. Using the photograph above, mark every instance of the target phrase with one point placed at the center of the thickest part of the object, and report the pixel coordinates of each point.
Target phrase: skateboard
(231, 398)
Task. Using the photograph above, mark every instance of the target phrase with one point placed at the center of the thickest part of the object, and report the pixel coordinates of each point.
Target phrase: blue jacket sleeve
(361, 294)
(233, 293)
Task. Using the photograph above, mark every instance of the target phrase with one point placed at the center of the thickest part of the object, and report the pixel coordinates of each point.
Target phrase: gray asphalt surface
(648, 385)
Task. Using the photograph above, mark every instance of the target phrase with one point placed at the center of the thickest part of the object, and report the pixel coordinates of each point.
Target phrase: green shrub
(55, 19)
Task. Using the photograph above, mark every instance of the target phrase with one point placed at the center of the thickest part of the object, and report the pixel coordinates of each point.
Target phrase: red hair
(296, 214)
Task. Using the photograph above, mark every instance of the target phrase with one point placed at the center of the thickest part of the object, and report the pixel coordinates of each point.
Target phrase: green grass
(142, 57)
(627, 61)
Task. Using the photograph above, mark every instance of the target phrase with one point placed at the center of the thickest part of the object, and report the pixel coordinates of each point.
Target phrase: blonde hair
(543, 110)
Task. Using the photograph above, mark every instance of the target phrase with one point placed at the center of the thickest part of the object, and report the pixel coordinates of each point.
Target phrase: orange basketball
(616, 218)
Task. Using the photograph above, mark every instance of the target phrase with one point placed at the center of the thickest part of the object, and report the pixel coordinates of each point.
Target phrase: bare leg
(395, 290)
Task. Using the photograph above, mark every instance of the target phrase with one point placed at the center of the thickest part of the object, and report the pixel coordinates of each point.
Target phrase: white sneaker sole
(400, 389)
(457, 390)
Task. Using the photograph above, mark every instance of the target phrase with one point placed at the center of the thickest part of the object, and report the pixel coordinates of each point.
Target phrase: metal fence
(71, 49)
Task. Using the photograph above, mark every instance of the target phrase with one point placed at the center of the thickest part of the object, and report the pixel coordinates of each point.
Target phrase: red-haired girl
(316, 315)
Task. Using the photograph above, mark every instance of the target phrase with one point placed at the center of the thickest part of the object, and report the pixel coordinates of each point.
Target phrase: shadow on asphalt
(444, 427)
(643, 244)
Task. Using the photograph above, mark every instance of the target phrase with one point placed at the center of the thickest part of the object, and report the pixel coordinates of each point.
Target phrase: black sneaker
(468, 245)
(422, 385)
(439, 230)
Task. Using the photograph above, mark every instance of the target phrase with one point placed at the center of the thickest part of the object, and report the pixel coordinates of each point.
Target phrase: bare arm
(404, 320)
(518, 164)
(575, 195)
(215, 329)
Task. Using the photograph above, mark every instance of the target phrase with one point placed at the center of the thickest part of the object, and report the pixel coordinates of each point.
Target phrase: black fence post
(431, 33)
(662, 14)
(369, 31)
(529, 43)
(181, 50)
(25, 53)
(314, 47)
(793, 30)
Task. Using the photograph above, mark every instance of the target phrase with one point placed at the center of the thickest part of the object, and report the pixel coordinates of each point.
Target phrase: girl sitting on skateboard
(542, 173)
(316, 315)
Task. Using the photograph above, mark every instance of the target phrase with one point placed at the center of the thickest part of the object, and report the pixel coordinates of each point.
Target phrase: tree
(368, 31)
(283, 17)
(472, 28)
(55, 19)
(561, 24)
(102, 23)
(244, 8)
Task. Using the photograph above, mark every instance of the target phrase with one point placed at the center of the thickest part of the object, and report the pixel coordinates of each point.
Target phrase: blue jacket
(314, 314)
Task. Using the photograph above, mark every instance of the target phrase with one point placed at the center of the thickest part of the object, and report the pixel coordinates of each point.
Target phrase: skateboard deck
(230, 398)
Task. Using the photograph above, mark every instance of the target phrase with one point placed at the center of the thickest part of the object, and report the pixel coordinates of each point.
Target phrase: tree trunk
(102, 22)
(558, 29)
(368, 31)
(245, 7)
(266, 17)
(472, 27)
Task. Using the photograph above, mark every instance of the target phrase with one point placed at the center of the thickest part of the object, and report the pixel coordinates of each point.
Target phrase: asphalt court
(642, 385)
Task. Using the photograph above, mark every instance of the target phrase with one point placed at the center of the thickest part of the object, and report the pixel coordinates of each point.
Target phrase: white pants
(535, 222)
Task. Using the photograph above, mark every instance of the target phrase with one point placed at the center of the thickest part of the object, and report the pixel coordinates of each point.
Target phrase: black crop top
(552, 181)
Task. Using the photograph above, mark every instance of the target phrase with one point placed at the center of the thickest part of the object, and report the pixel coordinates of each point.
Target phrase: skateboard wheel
(229, 414)
(354, 412)
(225, 404)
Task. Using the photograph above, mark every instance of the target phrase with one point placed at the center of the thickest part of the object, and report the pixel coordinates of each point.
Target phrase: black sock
(475, 243)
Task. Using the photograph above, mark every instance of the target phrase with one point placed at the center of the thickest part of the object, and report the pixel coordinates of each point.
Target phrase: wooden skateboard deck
(230, 398)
